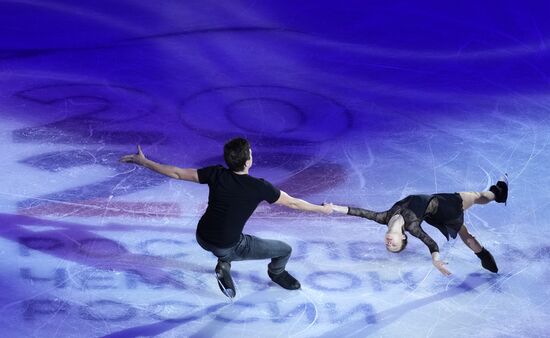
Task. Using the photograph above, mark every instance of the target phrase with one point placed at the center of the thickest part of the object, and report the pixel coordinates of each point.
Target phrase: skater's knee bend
(281, 248)
(287, 248)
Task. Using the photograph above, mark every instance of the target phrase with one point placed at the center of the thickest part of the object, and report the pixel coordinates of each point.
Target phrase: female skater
(443, 211)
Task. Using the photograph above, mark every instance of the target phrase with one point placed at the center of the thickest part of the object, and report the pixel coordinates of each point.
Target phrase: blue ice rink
(354, 103)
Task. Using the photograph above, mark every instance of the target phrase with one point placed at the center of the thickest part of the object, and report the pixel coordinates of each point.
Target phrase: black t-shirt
(231, 201)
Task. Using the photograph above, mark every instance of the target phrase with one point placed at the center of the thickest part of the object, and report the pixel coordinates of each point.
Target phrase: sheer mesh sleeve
(414, 229)
(378, 217)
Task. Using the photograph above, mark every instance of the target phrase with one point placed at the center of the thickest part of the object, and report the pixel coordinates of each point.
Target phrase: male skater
(443, 211)
(233, 197)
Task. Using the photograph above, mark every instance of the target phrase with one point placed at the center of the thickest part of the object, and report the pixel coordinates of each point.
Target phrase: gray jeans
(251, 247)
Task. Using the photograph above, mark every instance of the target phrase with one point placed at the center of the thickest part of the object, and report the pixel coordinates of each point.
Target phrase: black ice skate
(487, 260)
(225, 282)
(500, 189)
(285, 280)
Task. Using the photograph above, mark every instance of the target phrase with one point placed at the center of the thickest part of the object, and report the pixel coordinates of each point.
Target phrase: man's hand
(338, 208)
(327, 208)
(440, 265)
(138, 158)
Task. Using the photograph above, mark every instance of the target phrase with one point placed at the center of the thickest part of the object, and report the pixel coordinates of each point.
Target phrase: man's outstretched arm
(168, 170)
(299, 204)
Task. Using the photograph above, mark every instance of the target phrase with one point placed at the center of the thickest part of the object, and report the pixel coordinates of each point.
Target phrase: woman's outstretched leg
(471, 198)
(497, 193)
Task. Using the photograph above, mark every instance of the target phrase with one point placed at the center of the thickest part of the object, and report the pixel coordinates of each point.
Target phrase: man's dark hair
(236, 152)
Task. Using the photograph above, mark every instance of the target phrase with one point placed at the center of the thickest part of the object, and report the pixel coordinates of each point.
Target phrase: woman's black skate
(487, 260)
(500, 189)
(225, 282)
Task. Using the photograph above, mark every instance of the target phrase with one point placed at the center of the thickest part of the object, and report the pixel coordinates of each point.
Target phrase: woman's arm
(415, 230)
(378, 217)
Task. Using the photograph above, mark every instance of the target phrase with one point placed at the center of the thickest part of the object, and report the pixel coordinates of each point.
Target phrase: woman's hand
(440, 265)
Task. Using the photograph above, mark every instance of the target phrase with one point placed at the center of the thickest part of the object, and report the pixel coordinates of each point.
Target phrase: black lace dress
(443, 211)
